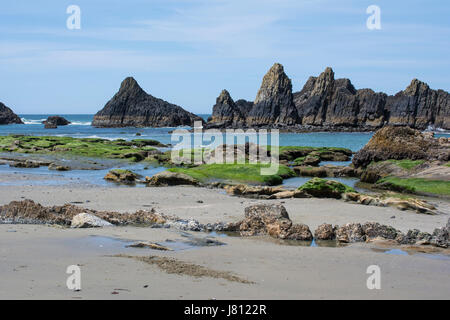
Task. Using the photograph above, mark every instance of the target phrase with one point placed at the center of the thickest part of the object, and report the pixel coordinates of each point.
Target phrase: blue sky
(187, 51)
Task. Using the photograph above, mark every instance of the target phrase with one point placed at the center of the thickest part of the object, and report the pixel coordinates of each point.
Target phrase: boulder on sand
(325, 232)
(168, 178)
(272, 220)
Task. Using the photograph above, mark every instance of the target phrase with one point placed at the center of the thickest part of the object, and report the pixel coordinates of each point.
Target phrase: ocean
(81, 128)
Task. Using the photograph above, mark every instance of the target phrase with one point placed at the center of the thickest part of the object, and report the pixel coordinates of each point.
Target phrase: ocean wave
(32, 121)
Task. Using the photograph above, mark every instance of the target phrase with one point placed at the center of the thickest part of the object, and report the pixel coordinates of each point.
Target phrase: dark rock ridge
(326, 103)
(57, 121)
(402, 143)
(7, 116)
(133, 107)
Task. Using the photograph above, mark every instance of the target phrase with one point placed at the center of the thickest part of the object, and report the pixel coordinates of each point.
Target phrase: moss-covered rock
(136, 150)
(121, 176)
(168, 178)
(322, 188)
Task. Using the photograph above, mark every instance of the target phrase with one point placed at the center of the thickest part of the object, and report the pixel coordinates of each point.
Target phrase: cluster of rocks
(36, 164)
(401, 143)
(161, 179)
(53, 122)
(326, 103)
(7, 116)
(273, 220)
(373, 231)
(329, 189)
(131, 106)
(29, 212)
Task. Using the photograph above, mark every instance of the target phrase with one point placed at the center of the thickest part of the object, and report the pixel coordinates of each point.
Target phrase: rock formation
(274, 102)
(56, 121)
(133, 107)
(7, 116)
(333, 104)
(402, 143)
(329, 104)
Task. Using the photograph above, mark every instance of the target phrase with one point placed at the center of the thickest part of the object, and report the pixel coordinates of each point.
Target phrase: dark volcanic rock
(402, 143)
(273, 106)
(133, 107)
(418, 106)
(330, 104)
(57, 121)
(274, 102)
(7, 116)
(226, 112)
(326, 102)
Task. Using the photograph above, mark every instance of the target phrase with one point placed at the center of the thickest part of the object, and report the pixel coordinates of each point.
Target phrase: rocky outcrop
(326, 102)
(168, 178)
(274, 102)
(418, 106)
(273, 105)
(29, 212)
(7, 116)
(272, 220)
(121, 176)
(56, 121)
(330, 104)
(322, 188)
(133, 107)
(402, 143)
(228, 113)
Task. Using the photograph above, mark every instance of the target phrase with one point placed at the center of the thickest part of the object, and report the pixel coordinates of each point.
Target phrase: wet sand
(33, 259)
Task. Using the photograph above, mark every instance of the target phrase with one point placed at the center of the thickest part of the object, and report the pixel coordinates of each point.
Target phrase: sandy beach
(34, 258)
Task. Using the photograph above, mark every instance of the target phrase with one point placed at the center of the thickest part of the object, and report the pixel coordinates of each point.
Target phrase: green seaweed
(249, 173)
(324, 188)
(88, 147)
(415, 185)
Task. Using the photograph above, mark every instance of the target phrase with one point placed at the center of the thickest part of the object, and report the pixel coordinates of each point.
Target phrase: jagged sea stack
(133, 107)
(274, 101)
(418, 106)
(228, 113)
(331, 103)
(7, 116)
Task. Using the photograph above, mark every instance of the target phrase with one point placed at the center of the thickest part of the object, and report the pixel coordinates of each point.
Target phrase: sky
(187, 51)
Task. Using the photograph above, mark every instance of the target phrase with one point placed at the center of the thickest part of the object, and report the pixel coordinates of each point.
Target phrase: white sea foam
(32, 121)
